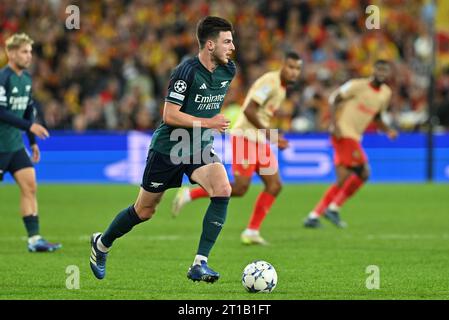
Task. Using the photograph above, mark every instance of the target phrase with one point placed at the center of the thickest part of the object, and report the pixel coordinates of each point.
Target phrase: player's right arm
(179, 88)
(335, 100)
(23, 124)
(260, 92)
(345, 92)
(10, 118)
(251, 113)
(173, 116)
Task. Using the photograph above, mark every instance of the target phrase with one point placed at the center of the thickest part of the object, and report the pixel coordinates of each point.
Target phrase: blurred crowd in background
(112, 73)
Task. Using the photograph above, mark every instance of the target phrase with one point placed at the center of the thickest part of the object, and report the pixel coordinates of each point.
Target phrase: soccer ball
(259, 276)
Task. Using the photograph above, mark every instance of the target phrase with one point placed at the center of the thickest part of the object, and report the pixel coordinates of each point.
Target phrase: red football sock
(326, 199)
(263, 205)
(198, 192)
(351, 185)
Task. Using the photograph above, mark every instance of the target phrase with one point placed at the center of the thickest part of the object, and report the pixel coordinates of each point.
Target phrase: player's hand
(36, 156)
(392, 134)
(274, 136)
(282, 143)
(219, 122)
(39, 131)
(335, 130)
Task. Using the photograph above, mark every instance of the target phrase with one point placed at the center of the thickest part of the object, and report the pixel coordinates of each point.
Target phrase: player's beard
(22, 66)
(291, 82)
(217, 59)
(378, 82)
(288, 82)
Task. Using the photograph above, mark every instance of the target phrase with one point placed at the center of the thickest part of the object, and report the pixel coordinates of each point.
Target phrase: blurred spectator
(443, 112)
(112, 73)
(442, 101)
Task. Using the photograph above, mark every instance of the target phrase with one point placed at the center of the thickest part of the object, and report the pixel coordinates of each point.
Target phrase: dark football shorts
(14, 161)
(161, 173)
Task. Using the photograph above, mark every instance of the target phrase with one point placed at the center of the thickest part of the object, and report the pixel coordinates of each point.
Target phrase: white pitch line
(401, 236)
(87, 238)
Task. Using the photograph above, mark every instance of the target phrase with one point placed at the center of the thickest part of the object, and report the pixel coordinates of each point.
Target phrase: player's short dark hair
(210, 27)
(292, 55)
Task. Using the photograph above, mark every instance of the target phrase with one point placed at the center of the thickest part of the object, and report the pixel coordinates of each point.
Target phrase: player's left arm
(29, 114)
(382, 126)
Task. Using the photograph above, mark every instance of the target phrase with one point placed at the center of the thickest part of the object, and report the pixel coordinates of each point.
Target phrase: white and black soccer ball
(259, 276)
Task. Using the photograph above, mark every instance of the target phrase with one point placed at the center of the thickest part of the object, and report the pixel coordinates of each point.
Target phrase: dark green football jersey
(15, 97)
(200, 93)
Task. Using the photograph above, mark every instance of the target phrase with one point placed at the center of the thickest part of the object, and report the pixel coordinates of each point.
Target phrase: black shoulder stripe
(195, 63)
(182, 70)
(186, 68)
(185, 71)
(5, 73)
(192, 74)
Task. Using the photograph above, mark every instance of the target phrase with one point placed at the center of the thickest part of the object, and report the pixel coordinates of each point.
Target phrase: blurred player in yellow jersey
(353, 107)
(251, 137)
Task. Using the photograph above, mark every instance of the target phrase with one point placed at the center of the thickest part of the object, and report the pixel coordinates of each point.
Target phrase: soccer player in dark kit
(16, 114)
(183, 144)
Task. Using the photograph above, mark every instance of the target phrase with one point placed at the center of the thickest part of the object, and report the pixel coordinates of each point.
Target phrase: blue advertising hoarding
(119, 157)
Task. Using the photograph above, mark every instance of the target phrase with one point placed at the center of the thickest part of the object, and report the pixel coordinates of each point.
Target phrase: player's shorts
(249, 156)
(161, 173)
(348, 152)
(14, 161)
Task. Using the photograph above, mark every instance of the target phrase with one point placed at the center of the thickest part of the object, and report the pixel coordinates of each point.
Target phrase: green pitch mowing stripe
(401, 229)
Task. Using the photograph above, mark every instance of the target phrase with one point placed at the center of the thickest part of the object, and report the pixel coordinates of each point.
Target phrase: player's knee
(274, 188)
(145, 213)
(340, 182)
(362, 172)
(239, 190)
(222, 190)
(365, 175)
(30, 189)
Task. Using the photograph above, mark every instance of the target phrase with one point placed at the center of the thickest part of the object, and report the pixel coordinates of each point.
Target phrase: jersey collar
(203, 67)
(374, 88)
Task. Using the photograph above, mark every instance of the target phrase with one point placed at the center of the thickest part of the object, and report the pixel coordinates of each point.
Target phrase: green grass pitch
(402, 229)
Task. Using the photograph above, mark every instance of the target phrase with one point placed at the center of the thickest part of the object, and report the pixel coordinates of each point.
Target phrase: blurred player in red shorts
(354, 106)
(251, 137)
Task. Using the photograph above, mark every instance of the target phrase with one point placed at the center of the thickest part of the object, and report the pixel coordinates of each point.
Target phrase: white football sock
(334, 207)
(101, 246)
(199, 258)
(187, 197)
(34, 239)
(313, 215)
(251, 232)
